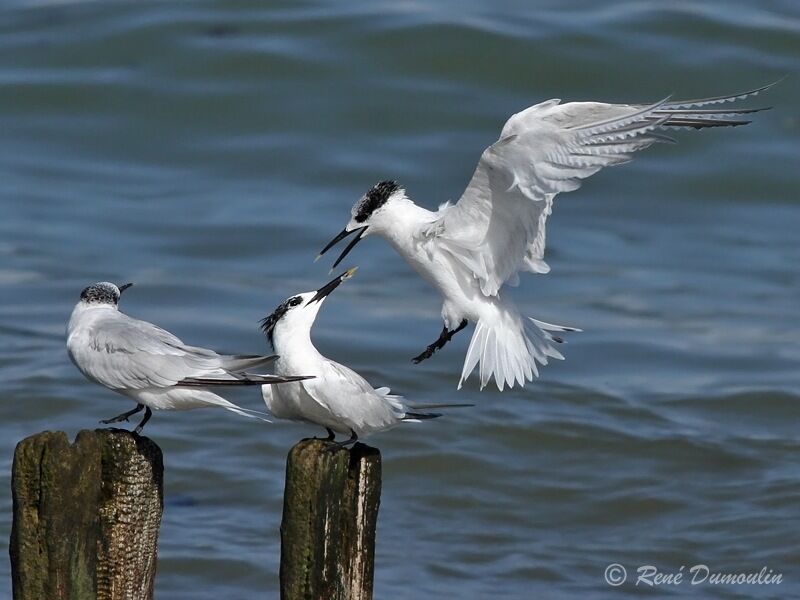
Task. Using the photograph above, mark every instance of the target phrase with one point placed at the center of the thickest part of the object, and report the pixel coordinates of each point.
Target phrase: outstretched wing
(497, 228)
(125, 353)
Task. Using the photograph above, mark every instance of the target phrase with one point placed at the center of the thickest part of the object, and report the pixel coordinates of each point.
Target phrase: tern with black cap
(337, 398)
(469, 251)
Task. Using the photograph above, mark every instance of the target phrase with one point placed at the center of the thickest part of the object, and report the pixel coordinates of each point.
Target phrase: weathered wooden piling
(330, 510)
(86, 516)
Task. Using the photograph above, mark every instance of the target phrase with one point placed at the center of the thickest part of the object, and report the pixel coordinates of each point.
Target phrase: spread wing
(125, 353)
(497, 228)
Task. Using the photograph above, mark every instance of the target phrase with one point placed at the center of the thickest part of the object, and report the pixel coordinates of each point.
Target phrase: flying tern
(337, 398)
(149, 365)
(471, 249)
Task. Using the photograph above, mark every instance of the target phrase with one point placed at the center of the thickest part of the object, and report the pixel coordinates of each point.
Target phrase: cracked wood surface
(86, 516)
(330, 510)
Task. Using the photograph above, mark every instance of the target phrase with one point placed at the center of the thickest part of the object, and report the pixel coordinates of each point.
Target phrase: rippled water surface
(207, 151)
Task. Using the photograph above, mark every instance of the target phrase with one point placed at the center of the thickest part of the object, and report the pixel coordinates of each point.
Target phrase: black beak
(331, 285)
(124, 287)
(344, 233)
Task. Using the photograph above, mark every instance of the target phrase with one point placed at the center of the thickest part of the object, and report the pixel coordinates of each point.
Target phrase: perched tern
(469, 250)
(337, 398)
(151, 366)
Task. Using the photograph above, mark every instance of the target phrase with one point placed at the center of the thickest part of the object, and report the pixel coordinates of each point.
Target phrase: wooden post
(330, 509)
(86, 516)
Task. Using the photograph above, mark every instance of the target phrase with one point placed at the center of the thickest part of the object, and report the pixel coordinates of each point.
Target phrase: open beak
(331, 285)
(124, 287)
(359, 234)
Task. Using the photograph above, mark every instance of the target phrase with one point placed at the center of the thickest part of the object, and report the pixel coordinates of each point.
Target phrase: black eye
(295, 301)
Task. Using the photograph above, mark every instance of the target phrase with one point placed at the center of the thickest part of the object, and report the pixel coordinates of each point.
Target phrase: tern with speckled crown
(151, 366)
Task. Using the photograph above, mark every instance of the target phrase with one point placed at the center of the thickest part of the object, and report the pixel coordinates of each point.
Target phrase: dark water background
(207, 150)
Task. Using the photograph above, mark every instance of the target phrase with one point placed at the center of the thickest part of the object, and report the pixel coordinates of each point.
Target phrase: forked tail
(247, 412)
(214, 400)
(508, 347)
(414, 414)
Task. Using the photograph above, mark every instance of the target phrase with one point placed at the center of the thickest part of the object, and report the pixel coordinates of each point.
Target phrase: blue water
(207, 151)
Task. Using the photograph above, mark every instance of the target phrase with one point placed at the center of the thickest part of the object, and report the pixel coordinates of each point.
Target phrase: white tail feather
(215, 400)
(252, 414)
(508, 347)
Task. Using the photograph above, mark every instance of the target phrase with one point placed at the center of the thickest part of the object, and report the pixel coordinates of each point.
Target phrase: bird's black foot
(336, 446)
(124, 416)
(331, 435)
(425, 355)
(147, 414)
(351, 440)
(444, 337)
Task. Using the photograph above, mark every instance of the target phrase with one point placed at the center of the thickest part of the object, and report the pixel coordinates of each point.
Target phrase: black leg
(432, 348)
(330, 437)
(147, 414)
(457, 329)
(336, 446)
(124, 416)
(351, 440)
(444, 337)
